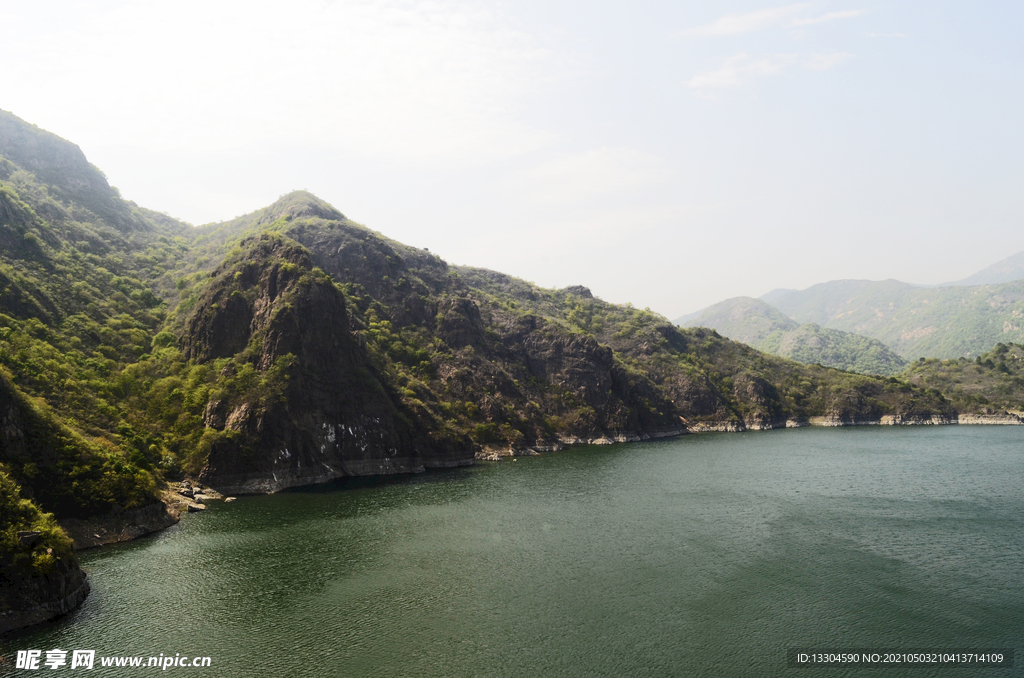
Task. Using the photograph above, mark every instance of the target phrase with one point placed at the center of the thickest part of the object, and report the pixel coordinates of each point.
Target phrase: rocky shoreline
(120, 526)
(1003, 419)
(562, 442)
(33, 600)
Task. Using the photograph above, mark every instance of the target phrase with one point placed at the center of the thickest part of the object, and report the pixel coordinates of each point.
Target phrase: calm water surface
(705, 555)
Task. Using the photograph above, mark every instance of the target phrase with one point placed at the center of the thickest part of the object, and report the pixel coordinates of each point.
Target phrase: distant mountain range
(766, 328)
(967, 318)
(1009, 269)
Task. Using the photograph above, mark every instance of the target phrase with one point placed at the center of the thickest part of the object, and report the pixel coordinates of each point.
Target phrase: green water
(704, 555)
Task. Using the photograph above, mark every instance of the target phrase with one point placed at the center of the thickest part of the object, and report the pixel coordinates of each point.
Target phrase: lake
(705, 555)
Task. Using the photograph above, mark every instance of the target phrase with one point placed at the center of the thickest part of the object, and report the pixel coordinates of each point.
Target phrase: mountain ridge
(766, 328)
(1006, 270)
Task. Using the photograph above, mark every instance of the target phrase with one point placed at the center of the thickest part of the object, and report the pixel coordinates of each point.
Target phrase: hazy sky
(670, 154)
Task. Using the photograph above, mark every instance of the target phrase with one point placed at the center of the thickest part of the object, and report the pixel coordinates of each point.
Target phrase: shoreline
(1005, 419)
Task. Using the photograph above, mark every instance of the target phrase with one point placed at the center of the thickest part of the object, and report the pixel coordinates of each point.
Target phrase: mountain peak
(60, 164)
(299, 204)
(1007, 270)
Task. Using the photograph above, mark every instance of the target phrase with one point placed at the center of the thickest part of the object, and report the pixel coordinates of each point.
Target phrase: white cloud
(830, 16)
(740, 69)
(885, 35)
(732, 24)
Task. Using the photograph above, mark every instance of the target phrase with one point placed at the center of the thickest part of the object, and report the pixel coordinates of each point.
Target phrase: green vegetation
(764, 327)
(991, 383)
(40, 555)
(935, 322)
(712, 378)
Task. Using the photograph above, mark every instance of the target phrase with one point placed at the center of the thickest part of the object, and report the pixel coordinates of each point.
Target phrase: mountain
(761, 325)
(777, 293)
(742, 319)
(1007, 270)
(939, 322)
(292, 346)
(992, 382)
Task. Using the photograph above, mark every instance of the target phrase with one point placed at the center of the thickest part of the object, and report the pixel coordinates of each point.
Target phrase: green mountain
(761, 325)
(292, 345)
(993, 382)
(938, 322)
(742, 319)
(1007, 270)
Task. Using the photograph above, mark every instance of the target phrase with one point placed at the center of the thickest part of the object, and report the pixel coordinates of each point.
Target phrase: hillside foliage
(992, 382)
(761, 325)
(931, 322)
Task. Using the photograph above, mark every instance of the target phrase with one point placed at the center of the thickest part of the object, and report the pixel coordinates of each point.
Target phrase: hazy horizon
(666, 155)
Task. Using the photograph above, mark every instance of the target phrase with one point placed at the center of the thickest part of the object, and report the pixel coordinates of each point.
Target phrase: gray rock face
(335, 418)
(29, 538)
(580, 291)
(26, 601)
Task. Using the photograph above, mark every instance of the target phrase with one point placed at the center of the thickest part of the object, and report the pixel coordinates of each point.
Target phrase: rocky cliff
(415, 375)
(28, 600)
(318, 409)
(39, 575)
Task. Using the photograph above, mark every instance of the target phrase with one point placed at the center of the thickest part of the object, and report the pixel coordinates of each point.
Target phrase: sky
(666, 154)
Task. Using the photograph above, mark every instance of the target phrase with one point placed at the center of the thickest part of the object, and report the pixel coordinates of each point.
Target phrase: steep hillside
(938, 322)
(714, 382)
(812, 343)
(757, 323)
(317, 401)
(743, 319)
(991, 383)
(39, 575)
(76, 307)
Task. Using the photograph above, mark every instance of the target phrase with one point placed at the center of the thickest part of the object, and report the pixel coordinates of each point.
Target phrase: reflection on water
(703, 555)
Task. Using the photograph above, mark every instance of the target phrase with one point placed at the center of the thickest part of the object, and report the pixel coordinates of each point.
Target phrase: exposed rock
(119, 526)
(334, 418)
(25, 601)
(580, 291)
(29, 538)
(1007, 418)
(459, 322)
